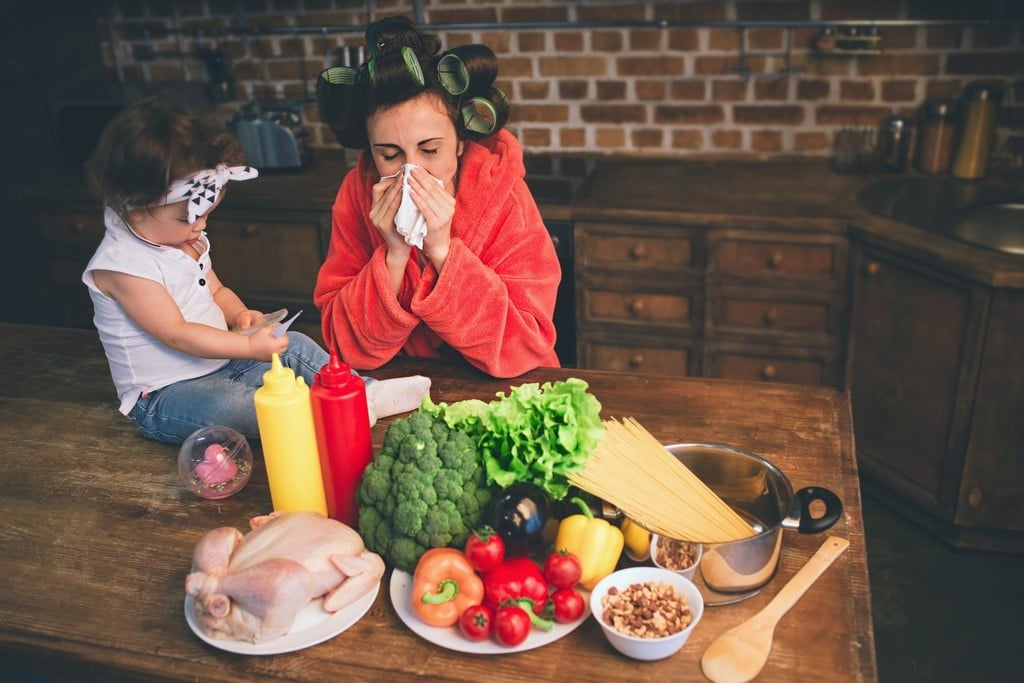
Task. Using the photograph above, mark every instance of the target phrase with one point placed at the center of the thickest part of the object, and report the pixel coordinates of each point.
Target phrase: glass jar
(981, 106)
(893, 143)
(936, 132)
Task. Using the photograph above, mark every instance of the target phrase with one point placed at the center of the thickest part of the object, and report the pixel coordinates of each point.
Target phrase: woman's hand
(387, 197)
(438, 206)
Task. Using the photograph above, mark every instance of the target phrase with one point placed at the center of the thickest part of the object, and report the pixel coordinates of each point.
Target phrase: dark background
(48, 50)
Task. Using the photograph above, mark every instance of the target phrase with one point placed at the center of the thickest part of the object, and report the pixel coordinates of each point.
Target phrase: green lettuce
(536, 434)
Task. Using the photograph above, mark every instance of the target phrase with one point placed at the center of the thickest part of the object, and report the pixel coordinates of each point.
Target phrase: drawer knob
(872, 268)
(768, 372)
(638, 251)
(636, 361)
(770, 317)
(250, 230)
(79, 225)
(974, 497)
(775, 260)
(636, 306)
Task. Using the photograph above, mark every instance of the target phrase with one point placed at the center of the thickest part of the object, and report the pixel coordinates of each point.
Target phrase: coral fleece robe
(493, 300)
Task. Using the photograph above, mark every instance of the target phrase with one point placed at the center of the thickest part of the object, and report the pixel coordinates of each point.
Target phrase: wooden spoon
(739, 654)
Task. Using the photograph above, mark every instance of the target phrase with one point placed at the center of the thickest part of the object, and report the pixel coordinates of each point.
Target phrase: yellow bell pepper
(594, 541)
(638, 540)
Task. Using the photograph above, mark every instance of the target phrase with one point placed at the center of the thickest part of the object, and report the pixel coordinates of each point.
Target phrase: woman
(437, 246)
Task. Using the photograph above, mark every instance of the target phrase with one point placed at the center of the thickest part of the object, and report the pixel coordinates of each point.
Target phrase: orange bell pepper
(444, 586)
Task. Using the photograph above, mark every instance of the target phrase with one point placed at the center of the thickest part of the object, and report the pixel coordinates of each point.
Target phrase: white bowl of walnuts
(646, 612)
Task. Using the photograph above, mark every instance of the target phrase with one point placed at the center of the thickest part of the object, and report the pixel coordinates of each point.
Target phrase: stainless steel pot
(762, 494)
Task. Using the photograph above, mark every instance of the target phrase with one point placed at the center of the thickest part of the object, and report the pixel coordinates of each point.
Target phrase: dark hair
(404, 64)
(148, 146)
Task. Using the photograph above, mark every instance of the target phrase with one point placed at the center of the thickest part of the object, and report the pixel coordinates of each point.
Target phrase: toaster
(272, 136)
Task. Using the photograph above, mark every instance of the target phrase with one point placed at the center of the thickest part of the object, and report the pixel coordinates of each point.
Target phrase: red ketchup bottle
(342, 422)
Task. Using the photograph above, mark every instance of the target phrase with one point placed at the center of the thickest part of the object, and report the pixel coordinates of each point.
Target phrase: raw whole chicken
(252, 587)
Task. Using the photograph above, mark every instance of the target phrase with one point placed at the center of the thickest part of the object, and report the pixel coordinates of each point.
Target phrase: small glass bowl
(215, 462)
(658, 545)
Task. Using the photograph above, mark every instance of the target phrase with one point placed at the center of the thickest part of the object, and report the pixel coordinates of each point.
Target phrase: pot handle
(833, 509)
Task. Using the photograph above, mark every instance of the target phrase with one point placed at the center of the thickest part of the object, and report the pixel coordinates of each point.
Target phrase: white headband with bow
(202, 189)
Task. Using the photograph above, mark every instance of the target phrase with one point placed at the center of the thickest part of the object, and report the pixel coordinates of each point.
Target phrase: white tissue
(409, 220)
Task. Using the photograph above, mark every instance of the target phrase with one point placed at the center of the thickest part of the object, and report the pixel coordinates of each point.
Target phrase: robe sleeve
(496, 308)
(360, 316)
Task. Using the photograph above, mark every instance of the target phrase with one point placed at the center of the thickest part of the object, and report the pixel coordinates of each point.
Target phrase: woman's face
(417, 131)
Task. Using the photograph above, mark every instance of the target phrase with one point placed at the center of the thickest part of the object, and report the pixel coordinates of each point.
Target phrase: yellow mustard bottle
(284, 414)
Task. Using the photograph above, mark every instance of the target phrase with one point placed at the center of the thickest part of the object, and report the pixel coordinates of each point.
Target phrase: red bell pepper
(518, 580)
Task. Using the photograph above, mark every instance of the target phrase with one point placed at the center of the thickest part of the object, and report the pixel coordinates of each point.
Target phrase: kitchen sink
(995, 226)
(978, 213)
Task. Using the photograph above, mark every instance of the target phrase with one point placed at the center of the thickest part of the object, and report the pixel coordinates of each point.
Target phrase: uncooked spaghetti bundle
(632, 470)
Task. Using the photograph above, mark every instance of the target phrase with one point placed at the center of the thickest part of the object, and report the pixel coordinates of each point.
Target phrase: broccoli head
(426, 488)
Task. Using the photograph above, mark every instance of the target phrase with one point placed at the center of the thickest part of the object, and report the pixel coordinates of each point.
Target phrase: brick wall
(726, 77)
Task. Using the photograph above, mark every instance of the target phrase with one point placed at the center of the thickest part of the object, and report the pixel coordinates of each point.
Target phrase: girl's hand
(387, 197)
(246, 319)
(438, 207)
(262, 345)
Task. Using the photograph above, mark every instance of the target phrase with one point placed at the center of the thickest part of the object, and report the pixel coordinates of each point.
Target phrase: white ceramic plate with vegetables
(451, 637)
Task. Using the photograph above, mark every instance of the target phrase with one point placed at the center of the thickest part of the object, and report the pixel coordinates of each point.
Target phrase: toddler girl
(169, 326)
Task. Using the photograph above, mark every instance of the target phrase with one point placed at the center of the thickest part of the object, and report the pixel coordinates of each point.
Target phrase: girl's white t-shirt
(138, 362)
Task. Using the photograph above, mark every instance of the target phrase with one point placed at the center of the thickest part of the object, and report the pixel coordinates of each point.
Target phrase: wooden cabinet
(639, 297)
(270, 258)
(269, 237)
(751, 303)
(776, 304)
(71, 232)
(936, 373)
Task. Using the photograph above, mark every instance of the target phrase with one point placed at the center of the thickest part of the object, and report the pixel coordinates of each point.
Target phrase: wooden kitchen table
(97, 532)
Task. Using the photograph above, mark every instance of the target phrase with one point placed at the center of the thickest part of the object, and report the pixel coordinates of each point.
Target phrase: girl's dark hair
(404, 64)
(148, 146)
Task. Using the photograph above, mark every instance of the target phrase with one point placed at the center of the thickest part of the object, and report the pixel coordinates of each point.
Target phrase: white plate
(312, 626)
(452, 638)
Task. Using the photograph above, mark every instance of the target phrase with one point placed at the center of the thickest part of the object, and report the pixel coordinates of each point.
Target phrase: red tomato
(485, 549)
(562, 569)
(476, 622)
(568, 604)
(511, 625)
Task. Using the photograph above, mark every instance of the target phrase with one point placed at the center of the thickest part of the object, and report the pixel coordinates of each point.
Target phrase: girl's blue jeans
(223, 398)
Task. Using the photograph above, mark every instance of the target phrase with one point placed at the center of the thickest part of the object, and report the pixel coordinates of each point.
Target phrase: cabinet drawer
(772, 315)
(267, 258)
(628, 357)
(775, 313)
(637, 307)
(622, 247)
(77, 228)
(755, 364)
(775, 258)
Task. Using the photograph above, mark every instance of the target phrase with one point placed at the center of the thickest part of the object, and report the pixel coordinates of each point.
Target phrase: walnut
(675, 555)
(651, 609)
